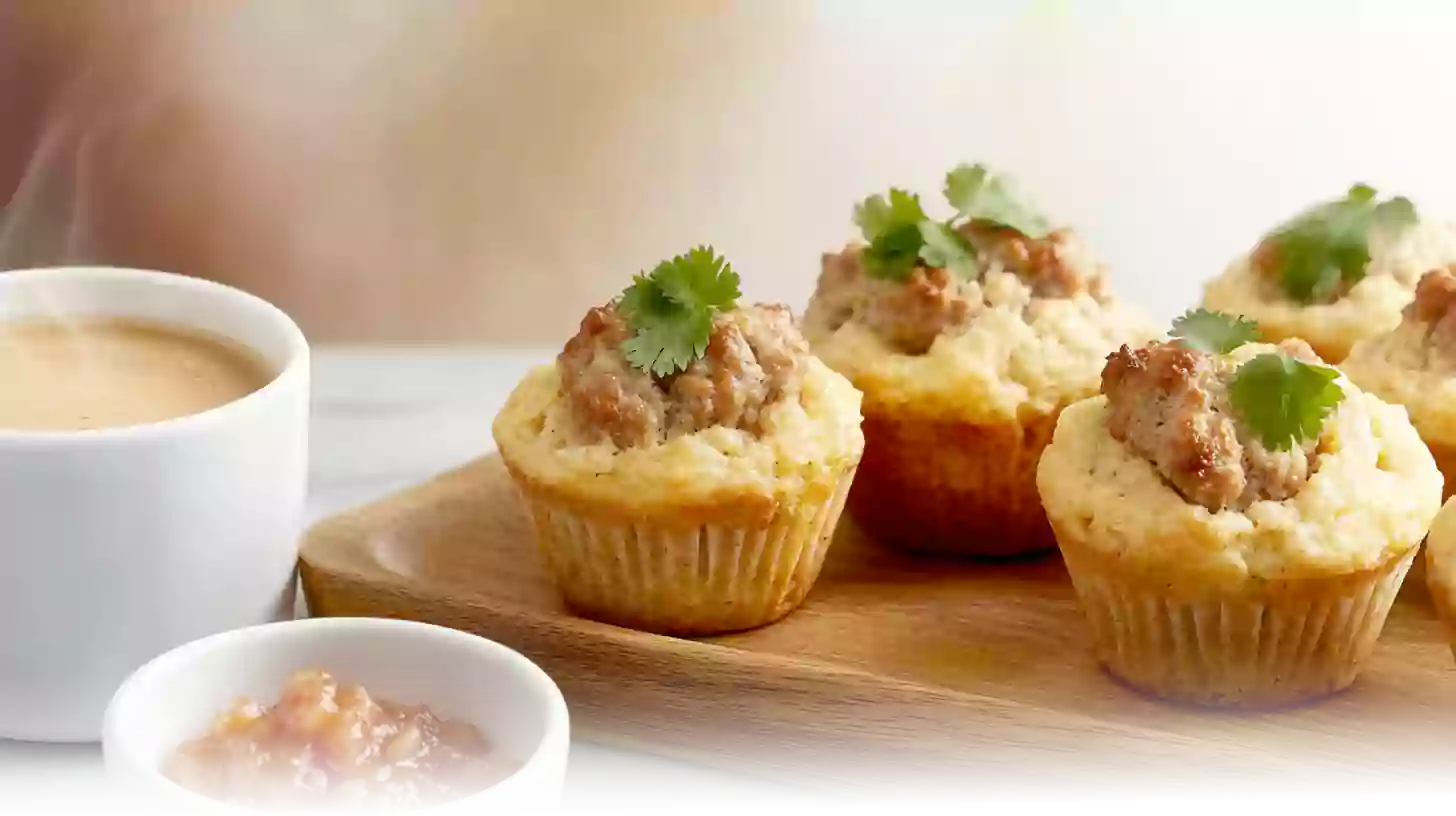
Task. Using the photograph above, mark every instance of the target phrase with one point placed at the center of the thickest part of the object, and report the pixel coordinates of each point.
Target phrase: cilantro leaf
(643, 298)
(892, 228)
(1214, 332)
(901, 236)
(895, 256)
(670, 310)
(947, 249)
(1328, 245)
(878, 214)
(699, 280)
(666, 344)
(979, 196)
(1284, 401)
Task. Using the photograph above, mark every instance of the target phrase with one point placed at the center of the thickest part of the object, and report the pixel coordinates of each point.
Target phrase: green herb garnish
(1283, 400)
(892, 228)
(979, 196)
(670, 310)
(1329, 244)
(901, 236)
(947, 249)
(1214, 332)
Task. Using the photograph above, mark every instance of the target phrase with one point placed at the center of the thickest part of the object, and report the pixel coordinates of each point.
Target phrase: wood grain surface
(910, 663)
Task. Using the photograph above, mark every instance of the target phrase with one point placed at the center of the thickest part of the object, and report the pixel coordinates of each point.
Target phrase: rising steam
(245, 142)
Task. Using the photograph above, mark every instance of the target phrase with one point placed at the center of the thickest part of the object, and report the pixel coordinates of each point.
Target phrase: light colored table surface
(383, 420)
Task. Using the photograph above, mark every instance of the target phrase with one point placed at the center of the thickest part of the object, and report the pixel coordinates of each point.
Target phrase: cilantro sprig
(670, 310)
(892, 228)
(1328, 245)
(977, 195)
(1283, 400)
(1213, 332)
(945, 248)
(901, 236)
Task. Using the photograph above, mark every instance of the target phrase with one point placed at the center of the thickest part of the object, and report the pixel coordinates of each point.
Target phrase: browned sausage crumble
(756, 356)
(1044, 264)
(910, 314)
(1170, 404)
(1434, 309)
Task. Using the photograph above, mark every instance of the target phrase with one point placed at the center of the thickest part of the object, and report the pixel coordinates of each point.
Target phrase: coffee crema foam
(90, 373)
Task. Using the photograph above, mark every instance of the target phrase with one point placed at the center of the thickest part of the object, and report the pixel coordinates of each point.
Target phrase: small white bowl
(177, 697)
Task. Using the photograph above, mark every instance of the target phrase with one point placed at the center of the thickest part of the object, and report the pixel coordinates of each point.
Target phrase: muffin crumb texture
(1170, 404)
(1425, 340)
(1370, 490)
(909, 315)
(1414, 364)
(754, 419)
(1028, 334)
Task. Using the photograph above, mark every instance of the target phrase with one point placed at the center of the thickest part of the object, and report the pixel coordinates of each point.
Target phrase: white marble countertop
(383, 420)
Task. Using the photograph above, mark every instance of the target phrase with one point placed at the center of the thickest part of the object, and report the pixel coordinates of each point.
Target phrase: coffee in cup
(87, 373)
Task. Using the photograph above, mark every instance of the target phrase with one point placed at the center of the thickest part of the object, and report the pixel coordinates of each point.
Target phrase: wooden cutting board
(913, 661)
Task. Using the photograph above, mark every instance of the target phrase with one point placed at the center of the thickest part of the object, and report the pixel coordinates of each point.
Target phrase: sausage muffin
(967, 337)
(1414, 365)
(1236, 517)
(1336, 273)
(686, 459)
(1441, 567)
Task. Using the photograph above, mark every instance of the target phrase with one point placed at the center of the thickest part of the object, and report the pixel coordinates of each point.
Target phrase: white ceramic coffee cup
(119, 544)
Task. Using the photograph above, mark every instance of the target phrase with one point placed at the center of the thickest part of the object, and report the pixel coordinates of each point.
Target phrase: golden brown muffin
(967, 338)
(1236, 518)
(1414, 365)
(685, 460)
(1441, 567)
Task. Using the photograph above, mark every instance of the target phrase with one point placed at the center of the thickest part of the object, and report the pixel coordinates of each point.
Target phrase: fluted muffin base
(718, 573)
(1271, 643)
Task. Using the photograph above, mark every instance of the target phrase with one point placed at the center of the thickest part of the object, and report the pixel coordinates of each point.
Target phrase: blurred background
(482, 171)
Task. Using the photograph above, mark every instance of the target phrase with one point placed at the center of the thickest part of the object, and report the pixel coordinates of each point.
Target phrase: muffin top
(1337, 272)
(976, 317)
(1192, 415)
(1414, 364)
(754, 358)
(1212, 458)
(674, 382)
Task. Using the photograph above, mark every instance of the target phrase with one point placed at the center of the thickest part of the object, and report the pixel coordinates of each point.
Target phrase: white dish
(118, 544)
(177, 697)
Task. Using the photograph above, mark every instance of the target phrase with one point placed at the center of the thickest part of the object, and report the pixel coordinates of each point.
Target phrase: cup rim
(115, 740)
(298, 352)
